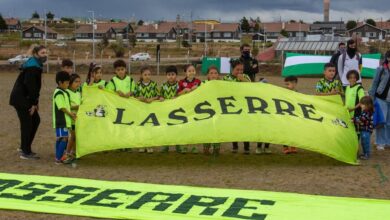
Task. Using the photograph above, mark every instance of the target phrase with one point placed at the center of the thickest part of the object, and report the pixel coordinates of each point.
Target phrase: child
(168, 91)
(353, 93)
(186, 85)
(147, 91)
(189, 83)
(291, 84)
(329, 85)
(94, 77)
(212, 74)
(121, 83)
(62, 115)
(238, 75)
(364, 124)
(260, 149)
(67, 66)
(75, 101)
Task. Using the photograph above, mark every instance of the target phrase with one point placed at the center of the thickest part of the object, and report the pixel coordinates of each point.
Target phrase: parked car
(140, 57)
(18, 59)
(60, 44)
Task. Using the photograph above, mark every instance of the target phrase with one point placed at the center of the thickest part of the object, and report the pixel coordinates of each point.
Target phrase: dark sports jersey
(61, 100)
(168, 91)
(148, 91)
(185, 84)
(232, 78)
(326, 86)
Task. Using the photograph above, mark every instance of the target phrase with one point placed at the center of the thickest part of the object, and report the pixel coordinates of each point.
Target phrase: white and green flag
(306, 64)
(222, 63)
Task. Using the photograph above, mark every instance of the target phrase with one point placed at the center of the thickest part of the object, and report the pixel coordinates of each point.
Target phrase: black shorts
(73, 127)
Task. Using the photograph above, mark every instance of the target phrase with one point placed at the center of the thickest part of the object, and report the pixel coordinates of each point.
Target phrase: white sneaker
(259, 150)
(380, 147)
(267, 151)
(149, 150)
(141, 150)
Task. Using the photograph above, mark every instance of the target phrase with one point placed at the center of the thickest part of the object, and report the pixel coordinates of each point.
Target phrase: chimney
(326, 10)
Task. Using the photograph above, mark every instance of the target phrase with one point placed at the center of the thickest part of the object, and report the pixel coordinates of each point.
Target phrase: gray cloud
(226, 10)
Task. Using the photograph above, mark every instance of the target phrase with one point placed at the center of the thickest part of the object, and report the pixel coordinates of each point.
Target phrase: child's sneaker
(259, 150)
(31, 156)
(141, 150)
(149, 150)
(194, 150)
(178, 149)
(184, 150)
(286, 150)
(363, 157)
(58, 162)
(165, 149)
(267, 151)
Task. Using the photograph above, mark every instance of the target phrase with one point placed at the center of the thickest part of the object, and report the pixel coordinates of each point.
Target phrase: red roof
(226, 27)
(272, 26)
(42, 28)
(11, 21)
(154, 28)
(297, 27)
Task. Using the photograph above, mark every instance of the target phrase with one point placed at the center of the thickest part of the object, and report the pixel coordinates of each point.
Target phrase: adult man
(349, 60)
(251, 66)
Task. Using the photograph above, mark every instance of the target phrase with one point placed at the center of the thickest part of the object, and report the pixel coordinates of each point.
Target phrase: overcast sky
(226, 10)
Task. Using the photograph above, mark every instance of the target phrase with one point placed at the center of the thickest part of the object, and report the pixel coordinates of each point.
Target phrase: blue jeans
(383, 132)
(365, 140)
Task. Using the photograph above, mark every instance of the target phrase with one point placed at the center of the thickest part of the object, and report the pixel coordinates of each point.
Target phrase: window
(300, 34)
(160, 35)
(370, 34)
(27, 35)
(217, 34)
(227, 34)
(37, 35)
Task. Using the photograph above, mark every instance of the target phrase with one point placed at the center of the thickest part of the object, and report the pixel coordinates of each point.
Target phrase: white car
(140, 57)
(60, 44)
(18, 59)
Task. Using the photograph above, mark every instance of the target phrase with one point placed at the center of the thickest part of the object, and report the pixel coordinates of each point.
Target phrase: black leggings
(246, 146)
(28, 127)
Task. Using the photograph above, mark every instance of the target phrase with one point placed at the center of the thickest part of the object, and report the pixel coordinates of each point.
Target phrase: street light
(93, 35)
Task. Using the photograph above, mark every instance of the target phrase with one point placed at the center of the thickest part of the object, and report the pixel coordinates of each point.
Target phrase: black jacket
(25, 92)
(248, 66)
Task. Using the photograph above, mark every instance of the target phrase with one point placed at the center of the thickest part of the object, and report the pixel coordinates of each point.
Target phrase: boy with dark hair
(121, 83)
(67, 66)
(62, 115)
(329, 85)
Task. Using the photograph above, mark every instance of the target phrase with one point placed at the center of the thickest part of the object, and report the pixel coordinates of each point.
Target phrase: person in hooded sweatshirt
(349, 60)
(25, 98)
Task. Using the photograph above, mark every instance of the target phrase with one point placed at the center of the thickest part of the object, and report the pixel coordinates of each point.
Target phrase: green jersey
(148, 91)
(353, 94)
(168, 91)
(232, 78)
(326, 86)
(61, 101)
(125, 85)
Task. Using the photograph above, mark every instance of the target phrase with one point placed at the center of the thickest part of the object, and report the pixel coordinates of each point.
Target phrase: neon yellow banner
(125, 200)
(214, 113)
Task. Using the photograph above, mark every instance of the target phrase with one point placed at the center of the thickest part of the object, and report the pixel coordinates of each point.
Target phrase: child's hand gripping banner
(214, 113)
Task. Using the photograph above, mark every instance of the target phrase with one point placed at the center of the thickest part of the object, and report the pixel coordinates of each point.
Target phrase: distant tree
(351, 24)
(245, 27)
(3, 25)
(371, 22)
(103, 43)
(35, 15)
(301, 21)
(140, 23)
(293, 21)
(257, 27)
(49, 16)
(284, 33)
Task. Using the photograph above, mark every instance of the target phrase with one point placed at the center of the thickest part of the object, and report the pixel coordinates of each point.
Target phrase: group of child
(360, 106)
(67, 99)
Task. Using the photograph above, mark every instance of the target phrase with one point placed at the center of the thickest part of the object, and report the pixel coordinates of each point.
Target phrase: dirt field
(305, 172)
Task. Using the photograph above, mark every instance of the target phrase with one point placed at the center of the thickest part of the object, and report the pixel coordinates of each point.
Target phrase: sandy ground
(305, 172)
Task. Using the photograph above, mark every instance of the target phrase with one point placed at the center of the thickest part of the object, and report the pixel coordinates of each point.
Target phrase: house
(227, 32)
(384, 25)
(38, 33)
(367, 31)
(122, 29)
(156, 33)
(335, 28)
(13, 24)
(296, 29)
(102, 30)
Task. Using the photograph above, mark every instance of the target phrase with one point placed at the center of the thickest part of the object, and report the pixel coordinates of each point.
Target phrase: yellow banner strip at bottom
(127, 200)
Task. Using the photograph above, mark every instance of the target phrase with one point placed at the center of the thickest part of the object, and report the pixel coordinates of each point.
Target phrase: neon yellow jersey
(353, 94)
(75, 100)
(125, 85)
(61, 101)
(101, 82)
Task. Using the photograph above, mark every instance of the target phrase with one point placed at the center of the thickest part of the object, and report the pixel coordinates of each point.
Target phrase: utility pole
(93, 35)
(47, 62)
(205, 39)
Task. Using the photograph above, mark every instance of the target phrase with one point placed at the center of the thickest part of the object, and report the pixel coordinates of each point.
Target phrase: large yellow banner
(217, 112)
(126, 200)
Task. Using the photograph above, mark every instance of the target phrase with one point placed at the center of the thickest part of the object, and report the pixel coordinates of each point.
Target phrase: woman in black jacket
(24, 98)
